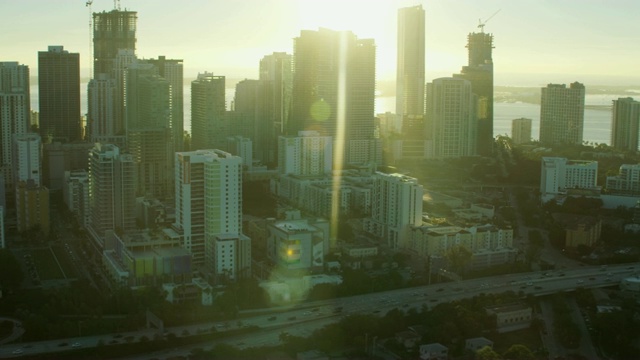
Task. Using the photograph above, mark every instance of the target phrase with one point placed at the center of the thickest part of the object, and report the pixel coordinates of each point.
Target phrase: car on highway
(17, 351)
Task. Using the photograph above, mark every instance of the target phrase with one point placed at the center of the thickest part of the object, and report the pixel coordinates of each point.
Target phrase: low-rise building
(511, 317)
(434, 351)
(196, 291)
(478, 343)
(580, 230)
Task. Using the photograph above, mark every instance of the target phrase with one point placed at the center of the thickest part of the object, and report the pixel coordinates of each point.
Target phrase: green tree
(11, 275)
(487, 353)
(458, 257)
(518, 352)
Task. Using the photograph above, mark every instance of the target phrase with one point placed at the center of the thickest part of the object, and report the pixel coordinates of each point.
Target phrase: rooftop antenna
(481, 23)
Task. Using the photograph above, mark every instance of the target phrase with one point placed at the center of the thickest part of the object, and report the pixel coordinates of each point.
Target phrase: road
(302, 319)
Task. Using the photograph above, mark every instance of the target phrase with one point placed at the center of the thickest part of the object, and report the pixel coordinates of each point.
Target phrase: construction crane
(481, 23)
(88, 5)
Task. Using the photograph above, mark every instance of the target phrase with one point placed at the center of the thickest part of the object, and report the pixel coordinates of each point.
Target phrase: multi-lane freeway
(303, 318)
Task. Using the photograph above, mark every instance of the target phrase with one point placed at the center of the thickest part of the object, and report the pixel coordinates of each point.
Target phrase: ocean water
(597, 122)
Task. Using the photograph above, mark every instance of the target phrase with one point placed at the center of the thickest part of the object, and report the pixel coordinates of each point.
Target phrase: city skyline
(536, 42)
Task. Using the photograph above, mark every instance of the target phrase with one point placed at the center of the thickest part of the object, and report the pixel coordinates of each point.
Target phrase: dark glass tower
(59, 95)
(479, 72)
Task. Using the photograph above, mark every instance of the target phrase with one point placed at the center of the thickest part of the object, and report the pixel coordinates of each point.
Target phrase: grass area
(65, 261)
(46, 264)
(527, 337)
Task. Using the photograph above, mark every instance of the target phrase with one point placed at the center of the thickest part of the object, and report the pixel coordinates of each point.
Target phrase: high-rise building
(148, 128)
(208, 124)
(32, 207)
(172, 71)
(59, 95)
(625, 124)
(521, 130)
(277, 72)
(627, 182)
(410, 78)
(396, 205)
(27, 164)
(102, 124)
(308, 154)
(333, 92)
(559, 174)
(3, 244)
(479, 72)
(562, 114)
(451, 118)
(252, 107)
(111, 191)
(112, 31)
(209, 206)
(76, 195)
(15, 111)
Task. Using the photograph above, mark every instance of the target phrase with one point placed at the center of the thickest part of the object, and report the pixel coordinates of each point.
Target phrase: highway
(303, 318)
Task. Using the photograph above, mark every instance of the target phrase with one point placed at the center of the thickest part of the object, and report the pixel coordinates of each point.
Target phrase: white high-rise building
(27, 164)
(111, 191)
(308, 154)
(209, 211)
(625, 124)
(451, 117)
(562, 114)
(627, 182)
(15, 111)
(559, 174)
(521, 130)
(396, 205)
(75, 192)
(101, 119)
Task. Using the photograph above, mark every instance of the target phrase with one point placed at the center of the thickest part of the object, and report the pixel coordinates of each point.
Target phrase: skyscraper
(101, 118)
(562, 114)
(59, 95)
(410, 78)
(149, 133)
(208, 124)
(27, 164)
(172, 71)
(307, 154)
(625, 124)
(451, 118)
(479, 72)
(14, 114)
(111, 191)
(333, 92)
(276, 70)
(112, 31)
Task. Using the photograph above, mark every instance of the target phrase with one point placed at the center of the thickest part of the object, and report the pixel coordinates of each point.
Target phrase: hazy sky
(557, 41)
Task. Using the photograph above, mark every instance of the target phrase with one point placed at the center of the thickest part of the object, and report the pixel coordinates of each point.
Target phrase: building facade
(625, 124)
(32, 207)
(559, 174)
(396, 206)
(333, 92)
(410, 78)
(111, 191)
(59, 95)
(27, 163)
(562, 114)
(308, 154)
(627, 182)
(276, 71)
(15, 110)
(208, 121)
(112, 31)
(451, 118)
(521, 131)
(479, 72)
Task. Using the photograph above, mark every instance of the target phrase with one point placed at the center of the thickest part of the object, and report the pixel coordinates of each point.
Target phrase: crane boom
(481, 23)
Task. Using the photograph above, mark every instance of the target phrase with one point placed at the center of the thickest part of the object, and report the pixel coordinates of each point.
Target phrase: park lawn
(46, 264)
(65, 261)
